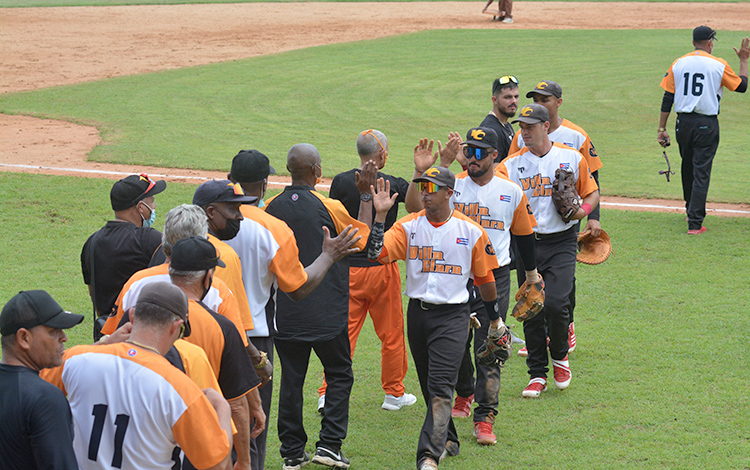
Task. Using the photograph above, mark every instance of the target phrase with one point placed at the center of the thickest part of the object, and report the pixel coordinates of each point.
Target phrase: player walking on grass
(549, 94)
(534, 168)
(694, 83)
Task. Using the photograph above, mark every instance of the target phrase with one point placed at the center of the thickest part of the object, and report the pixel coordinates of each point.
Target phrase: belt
(547, 236)
(428, 306)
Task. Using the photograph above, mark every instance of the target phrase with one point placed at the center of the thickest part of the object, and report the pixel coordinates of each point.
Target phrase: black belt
(547, 236)
(428, 306)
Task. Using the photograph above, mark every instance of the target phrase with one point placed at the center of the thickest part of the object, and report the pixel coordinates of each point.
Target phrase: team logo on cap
(526, 110)
(477, 134)
(433, 172)
(542, 85)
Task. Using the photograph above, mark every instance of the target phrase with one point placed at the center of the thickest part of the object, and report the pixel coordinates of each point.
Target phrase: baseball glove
(529, 300)
(593, 250)
(496, 348)
(564, 195)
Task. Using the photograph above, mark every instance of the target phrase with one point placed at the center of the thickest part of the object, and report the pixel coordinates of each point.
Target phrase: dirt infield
(45, 47)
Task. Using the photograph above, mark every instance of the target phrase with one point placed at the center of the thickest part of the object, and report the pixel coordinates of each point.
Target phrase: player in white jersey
(533, 168)
(131, 407)
(442, 250)
(549, 94)
(694, 83)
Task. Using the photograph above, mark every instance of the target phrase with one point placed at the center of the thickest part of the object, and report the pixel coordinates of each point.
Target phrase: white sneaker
(321, 403)
(516, 339)
(392, 403)
(508, 20)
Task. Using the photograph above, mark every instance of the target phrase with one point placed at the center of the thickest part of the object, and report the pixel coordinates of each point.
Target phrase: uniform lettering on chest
(540, 184)
(430, 258)
(480, 215)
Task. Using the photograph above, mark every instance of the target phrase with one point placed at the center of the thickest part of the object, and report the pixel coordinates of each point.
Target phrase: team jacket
(535, 176)
(232, 277)
(570, 135)
(324, 313)
(440, 259)
(499, 207)
(269, 254)
(131, 408)
(696, 79)
(219, 298)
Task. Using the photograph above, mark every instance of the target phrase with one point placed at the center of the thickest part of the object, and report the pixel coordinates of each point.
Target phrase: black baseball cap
(168, 296)
(195, 254)
(31, 308)
(546, 87)
(250, 166)
(131, 190)
(532, 114)
(482, 137)
(703, 33)
(220, 191)
(439, 175)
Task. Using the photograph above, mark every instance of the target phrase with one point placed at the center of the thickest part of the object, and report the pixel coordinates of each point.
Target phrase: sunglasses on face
(504, 80)
(476, 153)
(428, 186)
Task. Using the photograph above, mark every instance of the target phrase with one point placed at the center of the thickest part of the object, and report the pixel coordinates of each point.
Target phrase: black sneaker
(295, 463)
(330, 458)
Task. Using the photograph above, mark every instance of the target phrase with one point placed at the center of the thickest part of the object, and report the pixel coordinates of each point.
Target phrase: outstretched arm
(423, 160)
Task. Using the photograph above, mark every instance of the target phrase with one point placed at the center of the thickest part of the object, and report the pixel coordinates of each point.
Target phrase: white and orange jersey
(219, 298)
(499, 207)
(440, 259)
(131, 408)
(231, 274)
(696, 79)
(571, 135)
(269, 254)
(536, 174)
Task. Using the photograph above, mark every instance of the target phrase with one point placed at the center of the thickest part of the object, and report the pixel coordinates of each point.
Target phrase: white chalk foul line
(204, 178)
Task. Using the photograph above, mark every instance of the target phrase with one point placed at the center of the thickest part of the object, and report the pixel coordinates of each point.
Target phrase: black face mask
(206, 289)
(228, 232)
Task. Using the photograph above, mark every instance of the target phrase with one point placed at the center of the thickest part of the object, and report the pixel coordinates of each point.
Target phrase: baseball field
(660, 373)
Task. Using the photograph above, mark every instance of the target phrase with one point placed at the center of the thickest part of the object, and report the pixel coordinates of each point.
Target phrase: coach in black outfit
(318, 322)
(37, 429)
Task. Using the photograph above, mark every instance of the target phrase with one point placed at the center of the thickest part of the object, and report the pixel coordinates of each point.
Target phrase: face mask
(206, 289)
(228, 232)
(151, 219)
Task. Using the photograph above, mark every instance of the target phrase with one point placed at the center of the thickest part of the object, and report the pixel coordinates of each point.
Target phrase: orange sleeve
(590, 155)
(341, 219)
(478, 281)
(523, 218)
(668, 81)
(514, 144)
(54, 375)
(502, 170)
(394, 241)
(290, 274)
(199, 434)
(483, 257)
(730, 80)
(229, 308)
(586, 183)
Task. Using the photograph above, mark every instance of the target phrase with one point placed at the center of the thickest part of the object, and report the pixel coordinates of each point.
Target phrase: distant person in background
(694, 83)
(124, 245)
(37, 429)
(505, 7)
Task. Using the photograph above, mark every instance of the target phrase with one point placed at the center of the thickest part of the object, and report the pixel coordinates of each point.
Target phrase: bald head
(303, 163)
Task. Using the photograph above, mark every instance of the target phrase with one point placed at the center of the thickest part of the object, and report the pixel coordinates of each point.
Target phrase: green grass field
(660, 374)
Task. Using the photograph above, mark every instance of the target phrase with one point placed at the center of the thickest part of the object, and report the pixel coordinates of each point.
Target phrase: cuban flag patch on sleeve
(504, 198)
(462, 241)
(565, 166)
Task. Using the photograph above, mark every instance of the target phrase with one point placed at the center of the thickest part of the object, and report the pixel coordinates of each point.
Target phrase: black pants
(437, 338)
(258, 445)
(487, 385)
(698, 137)
(294, 356)
(556, 262)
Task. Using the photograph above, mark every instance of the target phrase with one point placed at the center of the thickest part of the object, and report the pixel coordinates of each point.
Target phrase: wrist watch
(662, 129)
(263, 360)
(365, 197)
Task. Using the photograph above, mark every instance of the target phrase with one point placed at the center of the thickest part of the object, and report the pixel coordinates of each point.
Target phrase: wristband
(587, 208)
(492, 309)
(662, 129)
(263, 360)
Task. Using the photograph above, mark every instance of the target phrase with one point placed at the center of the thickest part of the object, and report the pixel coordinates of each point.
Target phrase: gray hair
(185, 278)
(368, 145)
(186, 220)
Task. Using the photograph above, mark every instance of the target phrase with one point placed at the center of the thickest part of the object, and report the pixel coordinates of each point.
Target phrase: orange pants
(378, 290)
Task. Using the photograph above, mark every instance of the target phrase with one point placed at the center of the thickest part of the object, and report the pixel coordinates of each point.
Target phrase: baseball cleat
(562, 373)
(462, 407)
(571, 338)
(483, 433)
(697, 232)
(295, 463)
(428, 464)
(329, 458)
(535, 387)
(393, 403)
(523, 352)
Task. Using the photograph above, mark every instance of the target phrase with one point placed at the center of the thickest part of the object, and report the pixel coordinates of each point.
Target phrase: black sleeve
(666, 102)
(84, 262)
(400, 186)
(51, 432)
(742, 87)
(595, 212)
(237, 375)
(335, 191)
(158, 257)
(527, 251)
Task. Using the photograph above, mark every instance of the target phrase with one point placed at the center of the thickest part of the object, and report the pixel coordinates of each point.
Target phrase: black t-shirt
(37, 426)
(345, 190)
(121, 250)
(324, 313)
(504, 133)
